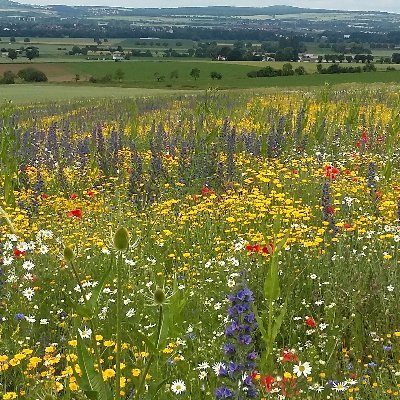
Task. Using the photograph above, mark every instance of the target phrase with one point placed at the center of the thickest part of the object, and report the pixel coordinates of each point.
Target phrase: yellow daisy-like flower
(108, 374)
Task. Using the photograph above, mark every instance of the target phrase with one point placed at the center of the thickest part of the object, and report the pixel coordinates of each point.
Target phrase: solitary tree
(32, 53)
(12, 53)
(119, 74)
(287, 69)
(174, 74)
(159, 77)
(195, 73)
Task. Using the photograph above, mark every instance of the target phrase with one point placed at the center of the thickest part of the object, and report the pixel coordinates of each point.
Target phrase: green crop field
(35, 93)
(145, 73)
(171, 75)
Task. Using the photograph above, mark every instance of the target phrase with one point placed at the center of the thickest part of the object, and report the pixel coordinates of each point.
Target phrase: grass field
(142, 74)
(26, 93)
(140, 78)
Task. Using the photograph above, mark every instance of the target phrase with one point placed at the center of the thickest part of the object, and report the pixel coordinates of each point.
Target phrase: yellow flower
(108, 373)
(136, 372)
(9, 396)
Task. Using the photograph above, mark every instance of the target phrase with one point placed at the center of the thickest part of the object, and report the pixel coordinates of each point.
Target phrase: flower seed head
(159, 296)
(69, 254)
(121, 239)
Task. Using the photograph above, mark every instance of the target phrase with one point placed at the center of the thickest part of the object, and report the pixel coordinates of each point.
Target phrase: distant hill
(4, 4)
(227, 11)
(216, 11)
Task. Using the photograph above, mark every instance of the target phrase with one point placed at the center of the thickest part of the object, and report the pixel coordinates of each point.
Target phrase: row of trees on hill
(30, 52)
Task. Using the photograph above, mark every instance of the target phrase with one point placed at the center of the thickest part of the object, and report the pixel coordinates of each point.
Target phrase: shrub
(103, 79)
(32, 75)
(8, 78)
(216, 75)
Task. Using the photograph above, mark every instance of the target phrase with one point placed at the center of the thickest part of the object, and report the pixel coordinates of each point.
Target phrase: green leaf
(173, 314)
(140, 337)
(278, 322)
(277, 224)
(91, 395)
(260, 323)
(271, 282)
(155, 387)
(91, 383)
(81, 309)
(388, 170)
(98, 289)
(279, 246)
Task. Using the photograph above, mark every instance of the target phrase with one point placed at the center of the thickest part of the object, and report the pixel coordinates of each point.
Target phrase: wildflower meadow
(214, 246)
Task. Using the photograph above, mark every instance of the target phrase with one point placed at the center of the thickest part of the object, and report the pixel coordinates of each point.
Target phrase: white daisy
(339, 386)
(86, 333)
(302, 369)
(28, 265)
(130, 313)
(217, 367)
(178, 387)
(28, 293)
(203, 365)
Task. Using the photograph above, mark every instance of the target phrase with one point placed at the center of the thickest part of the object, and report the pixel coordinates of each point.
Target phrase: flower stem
(91, 323)
(5, 216)
(119, 316)
(151, 359)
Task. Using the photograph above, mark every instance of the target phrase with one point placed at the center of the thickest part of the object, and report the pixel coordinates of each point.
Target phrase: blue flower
(229, 348)
(224, 393)
(245, 339)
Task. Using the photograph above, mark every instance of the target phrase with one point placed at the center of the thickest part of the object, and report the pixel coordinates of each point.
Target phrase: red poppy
(364, 137)
(168, 156)
(75, 213)
(205, 191)
(74, 196)
(256, 248)
(288, 356)
(331, 172)
(90, 193)
(378, 195)
(347, 172)
(330, 210)
(267, 382)
(254, 375)
(295, 172)
(346, 226)
(44, 196)
(310, 322)
(18, 253)
(268, 249)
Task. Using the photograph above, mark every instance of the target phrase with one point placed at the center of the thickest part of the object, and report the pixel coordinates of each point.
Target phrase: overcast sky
(382, 5)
